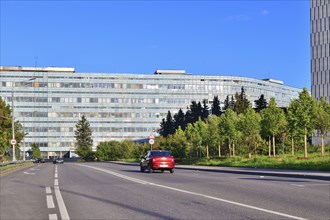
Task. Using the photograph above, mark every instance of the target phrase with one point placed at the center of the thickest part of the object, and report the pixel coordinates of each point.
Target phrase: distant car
(39, 160)
(157, 160)
(58, 160)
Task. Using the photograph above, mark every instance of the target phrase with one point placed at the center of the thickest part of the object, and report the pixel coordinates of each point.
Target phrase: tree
(242, 103)
(249, 124)
(205, 110)
(179, 144)
(167, 126)
(229, 103)
(194, 139)
(260, 103)
(6, 129)
(215, 108)
(35, 151)
(214, 132)
(203, 130)
(293, 123)
(229, 129)
(83, 135)
(322, 120)
(273, 118)
(303, 112)
(179, 120)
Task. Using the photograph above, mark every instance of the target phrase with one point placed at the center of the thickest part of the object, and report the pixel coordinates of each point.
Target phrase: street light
(13, 141)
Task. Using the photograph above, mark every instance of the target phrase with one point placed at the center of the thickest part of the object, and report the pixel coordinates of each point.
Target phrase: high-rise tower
(320, 48)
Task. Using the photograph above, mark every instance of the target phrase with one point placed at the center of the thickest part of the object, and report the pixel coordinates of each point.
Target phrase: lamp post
(13, 141)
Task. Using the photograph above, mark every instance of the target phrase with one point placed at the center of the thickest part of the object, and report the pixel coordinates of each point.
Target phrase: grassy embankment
(313, 162)
(17, 166)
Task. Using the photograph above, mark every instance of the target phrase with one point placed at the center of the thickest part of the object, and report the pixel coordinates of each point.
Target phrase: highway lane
(23, 193)
(110, 191)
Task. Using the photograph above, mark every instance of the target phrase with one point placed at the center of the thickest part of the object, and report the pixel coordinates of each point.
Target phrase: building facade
(49, 101)
(320, 48)
(320, 53)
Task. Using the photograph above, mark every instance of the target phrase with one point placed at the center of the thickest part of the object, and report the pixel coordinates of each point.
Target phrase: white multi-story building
(50, 101)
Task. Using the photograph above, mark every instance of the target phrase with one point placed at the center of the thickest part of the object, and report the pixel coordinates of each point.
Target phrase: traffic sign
(151, 136)
(151, 141)
(13, 142)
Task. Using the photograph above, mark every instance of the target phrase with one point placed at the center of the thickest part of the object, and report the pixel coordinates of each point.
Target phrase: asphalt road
(111, 191)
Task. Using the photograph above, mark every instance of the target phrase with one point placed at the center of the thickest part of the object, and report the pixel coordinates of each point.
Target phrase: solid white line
(56, 182)
(50, 202)
(193, 193)
(52, 217)
(61, 205)
(48, 190)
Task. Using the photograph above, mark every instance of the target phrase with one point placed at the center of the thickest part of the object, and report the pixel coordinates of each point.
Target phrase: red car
(157, 160)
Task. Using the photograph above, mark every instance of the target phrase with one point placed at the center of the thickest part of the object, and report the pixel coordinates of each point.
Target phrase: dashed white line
(52, 217)
(193, 193)
(56, 175)
(56, 182)
(48, 190)
(50, 202)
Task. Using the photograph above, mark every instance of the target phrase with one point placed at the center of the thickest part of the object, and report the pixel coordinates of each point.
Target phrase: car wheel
(141, 169)
(171, 170)
(162, 171)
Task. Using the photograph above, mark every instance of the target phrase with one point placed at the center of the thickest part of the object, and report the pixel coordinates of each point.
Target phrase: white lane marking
(56, 175)
(29, 173)
(48, 190)
(50, 202)
(61, 205)
(310, 185)
(196, 194)
(34, 169)
(56, 182)
(297, 185)
(52, 217)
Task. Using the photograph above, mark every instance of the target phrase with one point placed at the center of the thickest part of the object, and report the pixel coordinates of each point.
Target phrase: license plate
(163, 165)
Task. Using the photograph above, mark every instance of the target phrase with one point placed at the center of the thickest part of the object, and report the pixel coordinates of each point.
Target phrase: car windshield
(160, 153)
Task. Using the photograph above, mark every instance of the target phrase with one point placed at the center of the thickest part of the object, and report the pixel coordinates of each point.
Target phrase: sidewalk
(307, 174)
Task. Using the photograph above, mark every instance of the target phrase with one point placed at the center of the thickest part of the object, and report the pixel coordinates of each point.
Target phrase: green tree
(242, 103)
(260, 103)
(229, 129)
(179, 120)
(303, 110)
(203, 130)
(6, 129)
(214, 133)
(205, 110)
(167, 126)
(293, 127)
(215, 108)
(249, 124)
(194, 139)
(83, 135)
(179, 144)
(322, 120)
(273, 119)
(35, 151)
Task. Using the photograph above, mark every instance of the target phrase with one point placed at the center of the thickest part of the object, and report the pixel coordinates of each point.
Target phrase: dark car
(157, 160)
(39, 160)
(58, 160)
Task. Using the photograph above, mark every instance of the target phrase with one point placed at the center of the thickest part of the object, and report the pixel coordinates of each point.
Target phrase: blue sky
(257, 39)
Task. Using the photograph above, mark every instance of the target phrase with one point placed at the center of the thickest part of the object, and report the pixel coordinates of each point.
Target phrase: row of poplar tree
(240, 129)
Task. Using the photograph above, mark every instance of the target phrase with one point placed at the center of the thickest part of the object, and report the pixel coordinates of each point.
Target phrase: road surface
(111, 191)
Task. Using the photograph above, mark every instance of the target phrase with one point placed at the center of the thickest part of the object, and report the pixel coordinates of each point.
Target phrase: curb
(249, 171)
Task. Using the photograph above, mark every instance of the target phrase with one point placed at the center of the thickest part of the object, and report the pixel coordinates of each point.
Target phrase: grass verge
(13, 167)
(285, 162)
